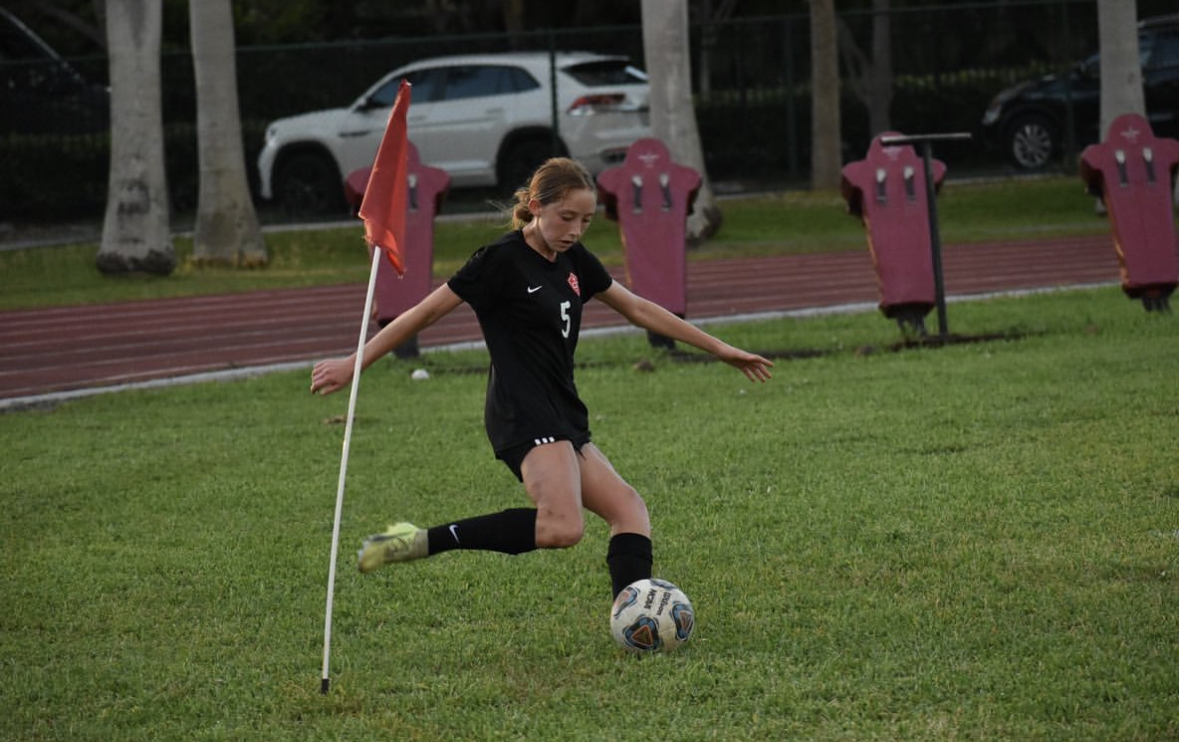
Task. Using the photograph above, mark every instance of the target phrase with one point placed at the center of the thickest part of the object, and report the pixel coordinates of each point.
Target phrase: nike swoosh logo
(534, 289)
(454, 533)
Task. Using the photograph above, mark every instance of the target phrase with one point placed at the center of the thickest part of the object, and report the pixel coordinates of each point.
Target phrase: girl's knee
(554, 531)
(627, 512)
(636, 501)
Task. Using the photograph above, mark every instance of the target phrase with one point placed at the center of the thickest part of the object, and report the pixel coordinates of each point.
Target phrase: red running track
(83, 347)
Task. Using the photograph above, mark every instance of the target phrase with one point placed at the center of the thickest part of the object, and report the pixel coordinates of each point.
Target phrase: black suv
(1028, 123)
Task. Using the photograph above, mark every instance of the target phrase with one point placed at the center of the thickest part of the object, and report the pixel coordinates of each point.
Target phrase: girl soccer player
(527, 290)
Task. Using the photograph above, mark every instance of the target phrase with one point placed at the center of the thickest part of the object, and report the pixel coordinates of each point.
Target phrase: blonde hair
(551, 182)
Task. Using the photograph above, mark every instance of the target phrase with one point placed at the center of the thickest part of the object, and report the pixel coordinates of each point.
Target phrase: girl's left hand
(752, 365)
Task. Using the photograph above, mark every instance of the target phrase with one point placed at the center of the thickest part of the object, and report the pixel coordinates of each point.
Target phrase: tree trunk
(673, 116)
(1121, 70)
(226, 231)
(871, 77)
(826, 141)
(136, 231)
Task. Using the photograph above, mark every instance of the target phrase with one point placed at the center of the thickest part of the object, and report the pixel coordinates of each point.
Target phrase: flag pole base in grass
(324, 686)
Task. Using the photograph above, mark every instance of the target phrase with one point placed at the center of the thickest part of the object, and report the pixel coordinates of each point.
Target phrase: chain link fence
(751, 85)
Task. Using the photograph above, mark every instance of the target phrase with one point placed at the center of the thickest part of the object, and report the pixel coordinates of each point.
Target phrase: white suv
(486, 120)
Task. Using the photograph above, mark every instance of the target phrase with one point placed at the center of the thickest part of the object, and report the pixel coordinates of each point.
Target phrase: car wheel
(1031, 142)
(309, 184)
(518, 163)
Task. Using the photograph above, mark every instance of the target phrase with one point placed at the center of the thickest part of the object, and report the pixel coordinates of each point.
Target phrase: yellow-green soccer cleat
(399, 543)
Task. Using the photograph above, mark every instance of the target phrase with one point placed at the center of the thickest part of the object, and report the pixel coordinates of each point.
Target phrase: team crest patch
(574, 285)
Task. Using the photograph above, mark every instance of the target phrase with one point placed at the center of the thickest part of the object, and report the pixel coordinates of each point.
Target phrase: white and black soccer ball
(651, 616)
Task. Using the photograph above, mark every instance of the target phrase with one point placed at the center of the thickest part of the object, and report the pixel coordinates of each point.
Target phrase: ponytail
(551, 182)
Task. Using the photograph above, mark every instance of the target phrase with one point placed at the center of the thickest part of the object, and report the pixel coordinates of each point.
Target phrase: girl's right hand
(331, 375)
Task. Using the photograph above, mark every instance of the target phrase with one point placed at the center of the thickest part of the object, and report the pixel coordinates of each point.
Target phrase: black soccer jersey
(530, 312)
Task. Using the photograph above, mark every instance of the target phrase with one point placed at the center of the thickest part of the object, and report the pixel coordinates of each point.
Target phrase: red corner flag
(383, 206)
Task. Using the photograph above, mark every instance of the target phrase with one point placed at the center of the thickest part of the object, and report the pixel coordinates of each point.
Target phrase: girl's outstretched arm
(650, 316)
(335, 373)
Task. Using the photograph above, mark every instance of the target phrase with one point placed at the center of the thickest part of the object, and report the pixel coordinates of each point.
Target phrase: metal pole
(555, 140)
(935, 242)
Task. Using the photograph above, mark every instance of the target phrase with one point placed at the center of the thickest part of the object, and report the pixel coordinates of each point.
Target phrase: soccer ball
(651, 616)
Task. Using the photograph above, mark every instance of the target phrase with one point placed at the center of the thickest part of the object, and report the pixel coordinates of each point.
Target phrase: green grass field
(971, 542)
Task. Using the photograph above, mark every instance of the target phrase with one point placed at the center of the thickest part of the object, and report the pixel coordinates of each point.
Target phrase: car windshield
(606, 72)
(1159, 50)
(1155, 50)
(19, 43)
(425, 84)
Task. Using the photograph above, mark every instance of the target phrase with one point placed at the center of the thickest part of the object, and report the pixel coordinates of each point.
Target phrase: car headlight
(995, 108)
(1001, 99)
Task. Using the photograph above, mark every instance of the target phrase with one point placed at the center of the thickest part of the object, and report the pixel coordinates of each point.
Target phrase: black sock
(629, 557)
(510, 531)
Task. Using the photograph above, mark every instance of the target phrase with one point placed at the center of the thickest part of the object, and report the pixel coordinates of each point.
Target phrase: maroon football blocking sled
(1132, 172)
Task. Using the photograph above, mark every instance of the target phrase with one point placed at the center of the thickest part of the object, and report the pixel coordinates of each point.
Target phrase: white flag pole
(331, 587)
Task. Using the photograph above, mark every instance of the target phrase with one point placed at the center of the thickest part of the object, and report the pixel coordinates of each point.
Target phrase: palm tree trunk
(226, 230)
(826, 139)
(136, 231)
(1121, 70)
(673, 115)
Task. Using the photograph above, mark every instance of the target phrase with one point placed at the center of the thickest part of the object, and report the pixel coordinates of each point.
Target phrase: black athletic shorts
(514, 456)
